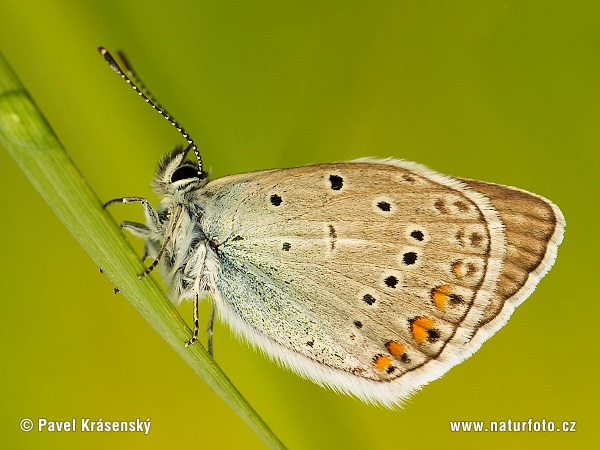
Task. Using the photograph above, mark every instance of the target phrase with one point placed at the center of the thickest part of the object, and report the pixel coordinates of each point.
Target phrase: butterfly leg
(196, 266)
(137, 229)
(152, 228)
(145, 254)
(151, 232)
(209, 328)
(194, 337)
(151, 215)
(176, 221)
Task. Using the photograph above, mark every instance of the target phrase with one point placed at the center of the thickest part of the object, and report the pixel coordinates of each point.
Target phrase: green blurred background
(504, 91)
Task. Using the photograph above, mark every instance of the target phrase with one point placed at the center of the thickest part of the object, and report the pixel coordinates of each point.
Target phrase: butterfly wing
(372, 276)
(533, 230)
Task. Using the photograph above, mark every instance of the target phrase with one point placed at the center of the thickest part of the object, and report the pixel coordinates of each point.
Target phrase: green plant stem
(31, 142)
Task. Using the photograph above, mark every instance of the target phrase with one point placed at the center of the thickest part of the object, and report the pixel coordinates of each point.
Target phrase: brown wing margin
(533, 229)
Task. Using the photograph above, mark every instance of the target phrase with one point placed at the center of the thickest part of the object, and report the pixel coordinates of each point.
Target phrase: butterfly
(373, 277)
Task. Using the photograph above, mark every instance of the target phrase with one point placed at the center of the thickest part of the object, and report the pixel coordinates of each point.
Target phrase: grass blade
(31, 142)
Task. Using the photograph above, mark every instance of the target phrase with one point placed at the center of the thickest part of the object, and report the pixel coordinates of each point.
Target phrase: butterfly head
(176, 174)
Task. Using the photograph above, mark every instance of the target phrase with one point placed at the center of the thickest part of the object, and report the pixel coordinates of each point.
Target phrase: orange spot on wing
(457, 269)
(395, 349)
(382, 362)
(420, 328)
(440, 296)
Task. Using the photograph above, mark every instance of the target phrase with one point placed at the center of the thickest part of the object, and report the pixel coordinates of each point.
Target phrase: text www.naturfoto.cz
(514, 426)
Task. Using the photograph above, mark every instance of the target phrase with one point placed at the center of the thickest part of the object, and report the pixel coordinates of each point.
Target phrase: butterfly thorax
(178, 227)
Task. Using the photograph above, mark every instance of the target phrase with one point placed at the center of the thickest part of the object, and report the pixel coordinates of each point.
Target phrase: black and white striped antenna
(134, 81)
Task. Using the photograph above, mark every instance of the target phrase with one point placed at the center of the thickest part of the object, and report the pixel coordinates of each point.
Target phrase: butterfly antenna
(133, 76)
(133, 80)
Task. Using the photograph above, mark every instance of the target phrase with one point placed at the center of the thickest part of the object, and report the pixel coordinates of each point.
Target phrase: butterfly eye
(184, 173)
